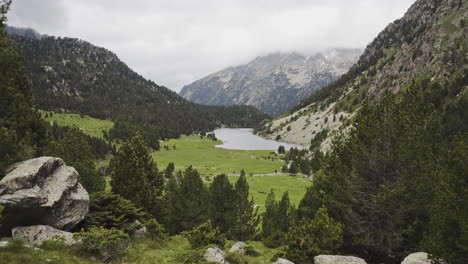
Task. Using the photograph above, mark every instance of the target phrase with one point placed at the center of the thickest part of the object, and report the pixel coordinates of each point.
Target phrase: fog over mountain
(177, 42)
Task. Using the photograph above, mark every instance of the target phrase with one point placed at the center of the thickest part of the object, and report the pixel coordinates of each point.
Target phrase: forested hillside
(73, 75)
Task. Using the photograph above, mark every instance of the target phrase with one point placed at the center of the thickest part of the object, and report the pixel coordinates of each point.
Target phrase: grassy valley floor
(259, 165)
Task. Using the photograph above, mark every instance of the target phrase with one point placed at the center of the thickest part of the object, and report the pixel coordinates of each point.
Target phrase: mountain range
(273, 83)
(428, 42)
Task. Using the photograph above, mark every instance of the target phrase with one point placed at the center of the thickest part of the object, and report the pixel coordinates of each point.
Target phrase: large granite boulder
(214, 254)
(42, 191)
(334, 259)
(417, 258)
(37, 234)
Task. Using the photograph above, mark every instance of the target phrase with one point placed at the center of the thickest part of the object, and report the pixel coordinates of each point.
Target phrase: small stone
(335, 259)
(215, 254)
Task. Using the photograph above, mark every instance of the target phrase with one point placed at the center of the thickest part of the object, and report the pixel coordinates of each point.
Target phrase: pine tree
(321, 235)
(169, 170)
(185, 204)
(277, 220)
(135, 176)
(221, 201)
(293, 169)
(245, 218)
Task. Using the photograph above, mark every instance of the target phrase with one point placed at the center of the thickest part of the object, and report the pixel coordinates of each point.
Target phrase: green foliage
(281, 149)
(23, 133)
(317, 139)
(185, 204)
(447, 237)
(75, 151)
(277, 220)
(135, 176)
(322, 235)
(99, 147)
(221, 201)
(155, 230)
(293, 169)
(234, 258)
(245, 218)
(169, 170)
(112, 211)
(104, 244)
(387, 158)
(204, 235)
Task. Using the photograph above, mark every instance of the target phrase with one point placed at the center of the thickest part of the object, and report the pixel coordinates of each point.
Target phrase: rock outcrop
(334, 259)
(42, 191)
(417, 258)
(214, 254)
(37, 234)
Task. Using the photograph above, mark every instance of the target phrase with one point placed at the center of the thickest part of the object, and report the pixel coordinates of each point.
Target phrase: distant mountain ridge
(23, 32)
(429, 41)
(73, 75)
(272, 83)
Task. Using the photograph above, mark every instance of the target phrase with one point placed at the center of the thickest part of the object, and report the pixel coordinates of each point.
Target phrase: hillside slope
(272, 83)
(73, 75)
(430, 41)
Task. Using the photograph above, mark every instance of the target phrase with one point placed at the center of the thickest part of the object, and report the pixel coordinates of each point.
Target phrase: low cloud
(177, 42)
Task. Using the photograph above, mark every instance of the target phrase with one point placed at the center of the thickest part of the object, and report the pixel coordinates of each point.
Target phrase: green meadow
(89, 125)
(210, 161)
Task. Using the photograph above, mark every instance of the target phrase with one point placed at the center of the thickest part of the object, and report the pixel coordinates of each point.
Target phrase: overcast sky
(175, 42)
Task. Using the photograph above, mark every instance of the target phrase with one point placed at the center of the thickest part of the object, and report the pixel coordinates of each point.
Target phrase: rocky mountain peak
(274, 82)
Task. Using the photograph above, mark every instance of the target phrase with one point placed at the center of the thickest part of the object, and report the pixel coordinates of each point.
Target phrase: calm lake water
(244, 139)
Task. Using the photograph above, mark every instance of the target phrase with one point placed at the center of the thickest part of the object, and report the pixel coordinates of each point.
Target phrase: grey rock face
(283, 261)
(417, 258)
(35, 235)
(333, 259)
(214, 254)
(43, 191)
(239, 248)
(272, 83)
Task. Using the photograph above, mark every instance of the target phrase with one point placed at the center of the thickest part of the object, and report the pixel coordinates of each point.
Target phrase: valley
(313, 152)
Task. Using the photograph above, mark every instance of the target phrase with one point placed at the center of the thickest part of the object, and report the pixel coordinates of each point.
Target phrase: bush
(112, 211)
(274, 240)
(234, 258)
(250, 251)
(103, 243)
(279, 254)
(204, 235)
(322, 235)
(155, 230)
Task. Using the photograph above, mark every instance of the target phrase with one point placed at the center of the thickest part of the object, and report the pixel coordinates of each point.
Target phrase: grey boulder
(335, 259)
(36, 235)
(417, 258)
(43, 191)
(214, 254)
(283, 261)
(239, 248)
